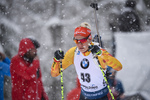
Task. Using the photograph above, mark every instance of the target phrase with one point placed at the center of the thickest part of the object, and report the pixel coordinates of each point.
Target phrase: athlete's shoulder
(104, 51)
(72, 50)
(69, 56)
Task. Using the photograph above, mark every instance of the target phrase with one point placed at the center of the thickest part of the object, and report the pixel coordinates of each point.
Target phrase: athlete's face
(81, 43)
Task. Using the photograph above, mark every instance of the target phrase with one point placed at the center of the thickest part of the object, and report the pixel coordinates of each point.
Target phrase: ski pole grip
(60, 51)
(94, 5)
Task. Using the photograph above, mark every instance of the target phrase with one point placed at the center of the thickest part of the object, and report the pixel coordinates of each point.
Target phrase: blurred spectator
(115, 85)
(26, 73)
(129, 20)
(4, 70)
(74, 94)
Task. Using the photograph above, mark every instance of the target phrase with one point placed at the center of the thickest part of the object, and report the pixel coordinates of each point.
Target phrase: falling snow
(52, 23)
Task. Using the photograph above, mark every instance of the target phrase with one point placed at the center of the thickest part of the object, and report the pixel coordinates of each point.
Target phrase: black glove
(95, 49)
(59, 54)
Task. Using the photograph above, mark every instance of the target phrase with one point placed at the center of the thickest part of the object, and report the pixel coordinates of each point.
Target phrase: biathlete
(93, 85)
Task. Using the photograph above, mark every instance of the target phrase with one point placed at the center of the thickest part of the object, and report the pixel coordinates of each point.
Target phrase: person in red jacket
(26, 73)
(74, 94)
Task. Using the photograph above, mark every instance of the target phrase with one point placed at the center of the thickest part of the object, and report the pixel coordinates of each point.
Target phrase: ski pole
(94, 5)
(104, 75)
(62, 84)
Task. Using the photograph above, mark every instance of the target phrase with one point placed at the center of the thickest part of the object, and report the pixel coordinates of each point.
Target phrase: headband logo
(80, 32)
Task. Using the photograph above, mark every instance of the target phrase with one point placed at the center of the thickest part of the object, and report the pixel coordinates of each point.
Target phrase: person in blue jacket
(4, 70)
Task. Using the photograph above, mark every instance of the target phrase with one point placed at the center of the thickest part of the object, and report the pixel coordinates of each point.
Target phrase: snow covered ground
(133, 51)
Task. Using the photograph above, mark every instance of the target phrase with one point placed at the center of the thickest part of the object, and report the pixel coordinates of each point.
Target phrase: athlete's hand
(95, 49)
(59, 54)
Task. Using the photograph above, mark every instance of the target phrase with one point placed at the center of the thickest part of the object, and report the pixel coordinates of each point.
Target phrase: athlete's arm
(66, 62)
(110, 60)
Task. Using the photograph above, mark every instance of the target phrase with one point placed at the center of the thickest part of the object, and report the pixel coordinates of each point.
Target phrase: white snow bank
(133, 51)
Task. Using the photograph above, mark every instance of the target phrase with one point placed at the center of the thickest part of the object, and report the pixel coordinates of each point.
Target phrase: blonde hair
(86, 25)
